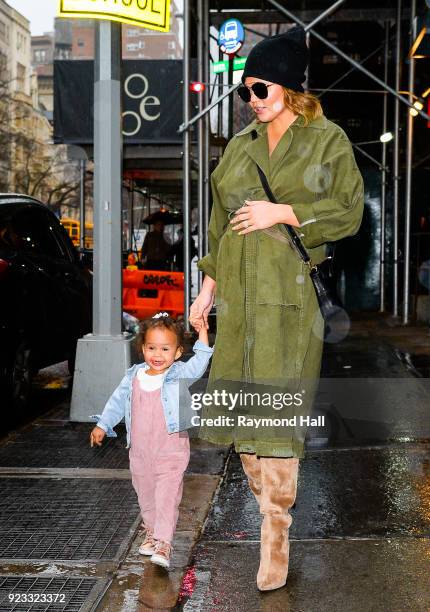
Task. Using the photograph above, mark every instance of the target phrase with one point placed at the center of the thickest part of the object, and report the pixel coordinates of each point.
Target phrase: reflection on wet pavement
(324, 575)
(361, 524)
(353, 493)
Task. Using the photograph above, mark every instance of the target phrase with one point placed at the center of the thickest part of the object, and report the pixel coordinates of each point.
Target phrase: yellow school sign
(151, 14)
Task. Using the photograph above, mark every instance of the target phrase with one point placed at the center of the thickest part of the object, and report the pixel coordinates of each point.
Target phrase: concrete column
(408, 189)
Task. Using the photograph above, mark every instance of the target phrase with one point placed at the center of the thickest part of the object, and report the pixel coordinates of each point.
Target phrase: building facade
(42, 57)
(29, 162)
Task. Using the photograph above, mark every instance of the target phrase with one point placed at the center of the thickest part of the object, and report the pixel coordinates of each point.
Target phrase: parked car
(46, 302)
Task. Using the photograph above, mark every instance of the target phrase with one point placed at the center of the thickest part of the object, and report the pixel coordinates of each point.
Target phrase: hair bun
(160, 314)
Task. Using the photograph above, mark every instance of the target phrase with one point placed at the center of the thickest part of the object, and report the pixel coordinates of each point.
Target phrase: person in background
(177, 251)
(156, 251)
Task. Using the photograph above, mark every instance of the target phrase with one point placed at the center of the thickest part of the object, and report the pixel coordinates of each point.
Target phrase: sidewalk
(69, 519)
(70, 523)
(361, 525)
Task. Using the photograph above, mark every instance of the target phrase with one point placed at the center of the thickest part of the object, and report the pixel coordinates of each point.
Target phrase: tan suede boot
(278, 493)
(252, 468)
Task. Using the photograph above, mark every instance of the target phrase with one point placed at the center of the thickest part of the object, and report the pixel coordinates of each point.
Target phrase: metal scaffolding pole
(348, 72)
(396, 177)
(335, 49)
(131, 215)
(306, 83)
(350, 91)
(384, 176)
(366, 154)
(201, 134)
(231, 99)
(207, 124)
(409, 155)
(186, 126)
(220, 88)
(186, 166)
(331, 9)
(82, 172)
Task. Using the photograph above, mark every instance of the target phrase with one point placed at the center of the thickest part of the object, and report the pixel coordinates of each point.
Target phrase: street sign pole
(103, 356)
(107, 180)
(231, 98)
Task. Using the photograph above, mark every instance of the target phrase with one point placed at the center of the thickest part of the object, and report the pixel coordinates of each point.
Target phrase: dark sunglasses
(259, 89)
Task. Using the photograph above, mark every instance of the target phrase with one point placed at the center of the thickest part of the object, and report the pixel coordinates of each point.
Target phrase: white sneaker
(162, 554)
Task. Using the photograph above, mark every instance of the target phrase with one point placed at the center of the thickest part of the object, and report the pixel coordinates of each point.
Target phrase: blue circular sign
(231, 36)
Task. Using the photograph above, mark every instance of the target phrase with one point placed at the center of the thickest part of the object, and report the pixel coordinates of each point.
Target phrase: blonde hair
(305, 104)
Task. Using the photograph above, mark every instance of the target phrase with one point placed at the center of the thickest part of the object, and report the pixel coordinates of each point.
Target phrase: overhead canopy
(299, 5)
(258, 11)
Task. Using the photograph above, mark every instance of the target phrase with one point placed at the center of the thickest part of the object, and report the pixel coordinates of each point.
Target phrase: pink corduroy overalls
(158, 461)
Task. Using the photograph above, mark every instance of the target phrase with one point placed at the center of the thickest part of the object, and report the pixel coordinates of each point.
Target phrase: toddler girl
(148, 399)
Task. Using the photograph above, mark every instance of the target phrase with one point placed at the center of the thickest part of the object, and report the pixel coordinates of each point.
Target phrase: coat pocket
(280, 275)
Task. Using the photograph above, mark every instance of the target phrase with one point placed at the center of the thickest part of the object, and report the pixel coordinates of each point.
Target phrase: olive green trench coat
(269, 327)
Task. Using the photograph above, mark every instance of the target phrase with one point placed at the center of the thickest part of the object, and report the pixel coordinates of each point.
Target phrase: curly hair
(305, 104)
(168, 323)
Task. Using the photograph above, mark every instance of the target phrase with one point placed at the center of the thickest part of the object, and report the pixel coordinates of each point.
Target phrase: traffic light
(197, 87)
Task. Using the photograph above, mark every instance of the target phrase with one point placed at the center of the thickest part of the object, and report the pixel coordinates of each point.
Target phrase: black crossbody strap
(294, 237)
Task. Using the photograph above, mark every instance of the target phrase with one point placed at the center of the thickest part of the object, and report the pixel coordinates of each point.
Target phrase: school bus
(72, 227)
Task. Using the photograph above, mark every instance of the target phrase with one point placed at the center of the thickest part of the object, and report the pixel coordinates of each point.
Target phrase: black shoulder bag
(322, 274)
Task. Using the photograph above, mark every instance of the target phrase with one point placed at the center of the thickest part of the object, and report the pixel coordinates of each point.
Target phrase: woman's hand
(200, 309)
(96, 436)
(259, 214)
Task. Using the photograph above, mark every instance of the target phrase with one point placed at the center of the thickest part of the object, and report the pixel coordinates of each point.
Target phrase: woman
(269, 328)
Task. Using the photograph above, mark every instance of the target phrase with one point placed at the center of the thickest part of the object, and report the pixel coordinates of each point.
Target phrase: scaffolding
(201, 119)
(103, 356)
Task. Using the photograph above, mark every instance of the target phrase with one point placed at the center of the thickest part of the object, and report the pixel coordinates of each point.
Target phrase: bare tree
(28, 163)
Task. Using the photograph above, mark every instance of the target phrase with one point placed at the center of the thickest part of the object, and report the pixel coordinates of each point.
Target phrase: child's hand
(96, 436)
(203, 334)
(197, 325)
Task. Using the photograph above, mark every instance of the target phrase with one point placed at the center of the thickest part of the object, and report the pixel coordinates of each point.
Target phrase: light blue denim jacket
(177, 413)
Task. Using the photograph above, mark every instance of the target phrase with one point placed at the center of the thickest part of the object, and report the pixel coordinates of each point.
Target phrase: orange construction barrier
(145, 292)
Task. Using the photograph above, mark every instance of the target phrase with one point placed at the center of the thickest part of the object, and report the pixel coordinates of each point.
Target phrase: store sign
(231, 36)
(151, 101)
(150, 14)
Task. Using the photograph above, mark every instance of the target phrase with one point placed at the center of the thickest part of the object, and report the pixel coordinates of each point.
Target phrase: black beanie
(281, 59)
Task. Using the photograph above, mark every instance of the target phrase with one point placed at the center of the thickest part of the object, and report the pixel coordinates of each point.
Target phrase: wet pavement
(70, 524)
(69, 519)
(391, 484)
(50, 389)
(361, 523)
(332, 575)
